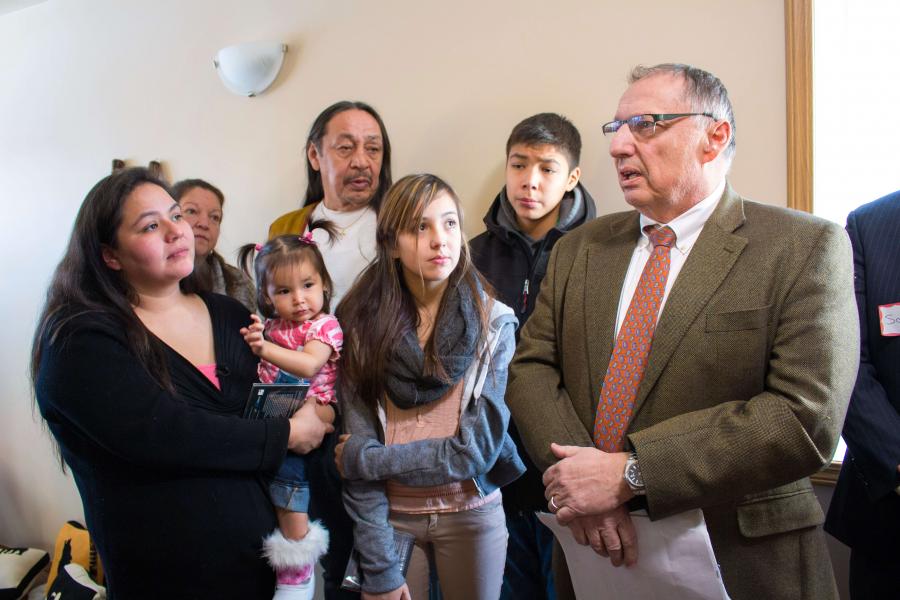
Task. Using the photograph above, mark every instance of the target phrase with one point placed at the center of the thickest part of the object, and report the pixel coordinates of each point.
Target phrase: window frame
(798, 29)
(798, 72)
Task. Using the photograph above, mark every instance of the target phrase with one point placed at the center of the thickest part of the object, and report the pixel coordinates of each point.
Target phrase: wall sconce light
(248, 69)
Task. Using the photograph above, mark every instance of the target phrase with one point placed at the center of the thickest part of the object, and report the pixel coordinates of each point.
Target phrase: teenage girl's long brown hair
(379, 309)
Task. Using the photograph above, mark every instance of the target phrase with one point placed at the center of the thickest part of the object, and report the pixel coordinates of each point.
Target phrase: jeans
(529, 572)
(289, 489)
(285, 377)
(466, 549)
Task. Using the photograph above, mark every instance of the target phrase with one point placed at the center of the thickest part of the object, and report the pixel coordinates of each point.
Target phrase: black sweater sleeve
(94, 393)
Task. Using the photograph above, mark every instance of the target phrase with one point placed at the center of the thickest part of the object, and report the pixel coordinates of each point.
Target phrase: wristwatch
(633, 476)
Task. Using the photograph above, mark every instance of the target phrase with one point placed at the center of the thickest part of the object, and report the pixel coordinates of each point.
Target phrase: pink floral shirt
(294, 336)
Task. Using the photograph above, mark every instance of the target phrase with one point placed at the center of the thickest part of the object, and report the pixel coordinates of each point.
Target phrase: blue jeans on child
(289, 489)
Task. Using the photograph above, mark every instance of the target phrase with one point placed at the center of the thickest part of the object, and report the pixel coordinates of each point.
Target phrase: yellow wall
(85, 81)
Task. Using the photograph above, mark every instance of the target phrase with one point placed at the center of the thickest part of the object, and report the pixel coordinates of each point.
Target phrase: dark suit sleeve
(536, 395)
(872, 428)
(744, 446)
(94, 393)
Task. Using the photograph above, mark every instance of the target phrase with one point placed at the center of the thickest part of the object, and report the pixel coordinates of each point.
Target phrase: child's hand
(253, 335)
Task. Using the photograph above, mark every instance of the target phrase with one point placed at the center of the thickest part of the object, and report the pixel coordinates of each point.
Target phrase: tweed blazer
(752, 364)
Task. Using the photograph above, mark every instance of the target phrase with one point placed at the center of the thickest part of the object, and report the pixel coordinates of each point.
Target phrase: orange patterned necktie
(629, 357)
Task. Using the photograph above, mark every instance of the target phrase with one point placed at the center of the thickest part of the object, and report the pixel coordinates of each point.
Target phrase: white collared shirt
(687, 227)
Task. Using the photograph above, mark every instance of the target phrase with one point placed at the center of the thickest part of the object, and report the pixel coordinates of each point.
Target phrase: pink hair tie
(307, 239)
(259, 247)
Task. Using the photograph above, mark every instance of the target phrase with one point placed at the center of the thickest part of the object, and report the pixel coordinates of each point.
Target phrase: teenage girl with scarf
(422, 391)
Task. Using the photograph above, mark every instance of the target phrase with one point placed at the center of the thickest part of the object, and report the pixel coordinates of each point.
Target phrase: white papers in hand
(675, 560)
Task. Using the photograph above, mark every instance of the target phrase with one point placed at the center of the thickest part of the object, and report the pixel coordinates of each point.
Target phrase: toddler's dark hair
(286, 251)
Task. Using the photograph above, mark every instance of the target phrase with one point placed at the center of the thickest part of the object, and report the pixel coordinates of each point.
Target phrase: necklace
(333, 216)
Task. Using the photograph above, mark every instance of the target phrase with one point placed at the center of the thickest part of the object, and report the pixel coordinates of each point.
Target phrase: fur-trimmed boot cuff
(283, 553)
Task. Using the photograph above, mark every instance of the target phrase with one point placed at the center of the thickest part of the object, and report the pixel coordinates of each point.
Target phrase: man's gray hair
(705, 91)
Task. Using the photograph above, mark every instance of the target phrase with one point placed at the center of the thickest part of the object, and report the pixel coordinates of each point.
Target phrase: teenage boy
(541, 201)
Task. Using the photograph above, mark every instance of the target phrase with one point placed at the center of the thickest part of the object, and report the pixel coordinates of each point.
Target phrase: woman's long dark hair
(206, 266)
(83, 284)
(379, 309)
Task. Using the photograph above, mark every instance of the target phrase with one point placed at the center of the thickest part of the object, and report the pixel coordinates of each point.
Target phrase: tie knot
(660, 236)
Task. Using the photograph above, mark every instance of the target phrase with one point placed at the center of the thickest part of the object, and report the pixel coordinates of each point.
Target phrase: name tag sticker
(889, 316)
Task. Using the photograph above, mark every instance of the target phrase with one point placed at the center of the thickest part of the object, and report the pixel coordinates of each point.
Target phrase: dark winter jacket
(515, 265)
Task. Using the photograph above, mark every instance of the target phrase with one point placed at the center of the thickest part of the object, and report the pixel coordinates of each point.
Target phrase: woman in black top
(142, 384)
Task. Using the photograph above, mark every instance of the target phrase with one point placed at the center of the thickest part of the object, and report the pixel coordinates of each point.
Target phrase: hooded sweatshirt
(515, 266)
(514, 263)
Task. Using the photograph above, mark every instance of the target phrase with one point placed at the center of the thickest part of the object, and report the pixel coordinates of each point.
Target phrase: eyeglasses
(644, 126)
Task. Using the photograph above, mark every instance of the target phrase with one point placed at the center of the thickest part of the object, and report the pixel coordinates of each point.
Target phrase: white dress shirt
(687, 227)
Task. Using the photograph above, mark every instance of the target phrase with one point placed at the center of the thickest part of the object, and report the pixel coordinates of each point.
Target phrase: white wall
(85, 81)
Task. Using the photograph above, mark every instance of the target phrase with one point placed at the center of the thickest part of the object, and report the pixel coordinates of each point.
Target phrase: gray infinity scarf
(457, 329)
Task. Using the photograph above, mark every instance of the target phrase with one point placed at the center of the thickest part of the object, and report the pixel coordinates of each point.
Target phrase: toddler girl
(298, 342)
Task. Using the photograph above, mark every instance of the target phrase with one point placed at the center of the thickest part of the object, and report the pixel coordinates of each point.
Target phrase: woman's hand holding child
(307, 430)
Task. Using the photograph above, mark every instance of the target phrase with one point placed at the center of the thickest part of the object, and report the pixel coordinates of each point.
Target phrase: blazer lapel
(607, 264)
(712, 257)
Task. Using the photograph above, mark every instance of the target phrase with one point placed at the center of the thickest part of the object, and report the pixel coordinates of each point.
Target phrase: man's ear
(717, 139)
(574, 177)
(109, 257)
(313, 155)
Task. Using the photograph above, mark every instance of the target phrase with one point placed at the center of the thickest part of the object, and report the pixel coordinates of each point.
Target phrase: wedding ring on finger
(553, 504)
